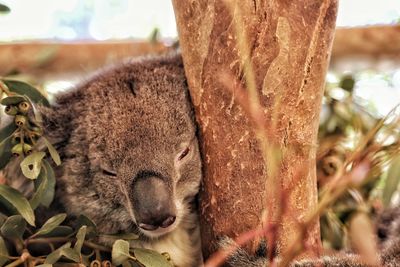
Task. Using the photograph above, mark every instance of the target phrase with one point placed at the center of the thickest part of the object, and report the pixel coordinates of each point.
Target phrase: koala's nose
(153, 201)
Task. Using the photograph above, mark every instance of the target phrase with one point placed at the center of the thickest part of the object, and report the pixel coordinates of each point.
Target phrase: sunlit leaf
(59, 231)
(150, 258)
(5, 152)
(70, 254)
(56, 254)
(14, 227)
(3, 252)
(19, 202)
(4, 9)
(347, 83)
(28, 90)
(53, 152)
(48, 195)
(51, 224)
(32, 164)
(120, 252)
(41, 189)
(80, 238)
(12, 100)
(392, 181)
(91, 230)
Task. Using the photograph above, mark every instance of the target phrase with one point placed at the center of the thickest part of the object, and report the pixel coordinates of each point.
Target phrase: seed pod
(20, 120)
(11, 110)
(95, 263)
(27, 149)
(106, 264)
(17, 150)
(24, 107)
(16, 139)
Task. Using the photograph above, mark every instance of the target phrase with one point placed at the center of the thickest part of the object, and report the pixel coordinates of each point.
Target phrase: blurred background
(54, 44)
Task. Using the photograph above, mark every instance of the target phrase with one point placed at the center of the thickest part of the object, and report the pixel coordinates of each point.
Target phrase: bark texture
(290, 43)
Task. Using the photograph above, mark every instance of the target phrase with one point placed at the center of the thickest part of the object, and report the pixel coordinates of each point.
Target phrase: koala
(388, 233)
(130, 155)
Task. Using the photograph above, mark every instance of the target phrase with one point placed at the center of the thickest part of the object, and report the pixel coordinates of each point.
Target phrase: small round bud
(27, 149)
(20, 120)
(95, 263)
(17, 150)
(11, 110)
(16, 139)
(24, 107)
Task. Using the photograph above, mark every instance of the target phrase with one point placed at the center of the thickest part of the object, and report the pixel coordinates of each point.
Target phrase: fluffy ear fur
(388, 230)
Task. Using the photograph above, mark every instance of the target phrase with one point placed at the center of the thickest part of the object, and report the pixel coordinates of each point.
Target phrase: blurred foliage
(22, 241)
(344, 125)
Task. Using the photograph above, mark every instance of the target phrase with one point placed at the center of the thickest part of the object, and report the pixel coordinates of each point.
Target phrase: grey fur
(132, 118)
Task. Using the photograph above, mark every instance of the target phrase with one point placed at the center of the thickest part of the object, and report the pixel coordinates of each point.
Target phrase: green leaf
(124, 236)
(53, 152)
(120, 252)
(14, 227)
(28, 90)
(48, 195)
(71, 254)
(59, 231)
(19, 202)
(91, 230)
(5, 152)
(56, 254)
(150, 258)
(12, 100)
(41, 190)
(51, 224)
(32, 164)
(4, 9)
(80, 238)
(7, 131)
(3, 252)
(392, 181)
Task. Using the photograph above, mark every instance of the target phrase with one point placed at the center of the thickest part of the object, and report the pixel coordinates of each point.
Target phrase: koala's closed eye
(109, 172)
(184, 153)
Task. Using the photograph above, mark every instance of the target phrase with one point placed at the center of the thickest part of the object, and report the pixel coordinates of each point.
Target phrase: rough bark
(290, 44)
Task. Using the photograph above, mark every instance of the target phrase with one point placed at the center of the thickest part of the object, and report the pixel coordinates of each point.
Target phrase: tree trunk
(289, 45)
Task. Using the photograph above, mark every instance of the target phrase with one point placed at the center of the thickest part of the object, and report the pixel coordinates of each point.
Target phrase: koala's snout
(153, 201)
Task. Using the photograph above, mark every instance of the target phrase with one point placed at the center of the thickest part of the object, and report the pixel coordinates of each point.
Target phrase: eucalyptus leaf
(32, 164)
(392, 181)
(48, 195)
(53, 152)
(80, 238)
(4, 8)
(28, 90)
(3, 252)
(71, 254)
(56, 254)
(5, 152)
(41, 189)
(16, 199)
(150, 258)
(12, 100)
(51, 224)
(7, 131)
(120, 252)
(125, 236)
(59, 231)
(14, 227)
(91, 230)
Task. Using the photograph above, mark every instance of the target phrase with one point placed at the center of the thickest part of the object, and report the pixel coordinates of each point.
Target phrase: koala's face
(143, 153)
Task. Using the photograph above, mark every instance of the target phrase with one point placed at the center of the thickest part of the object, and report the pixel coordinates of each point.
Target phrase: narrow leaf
(56, 254)
(150, 258)
(51, 224)
(70, 254)
(48, 195)
(392, 181)
(5, 152)
(3, 252)
(91, 230)
(7, 131)
(41, 189)
(19, 202)
(59, 231)
(124, 236)
(120, 252)
(28, 90)
(31, 165)
(12, 100)
(53, 152)
(14, 227)
(80, 238)
(4, 8)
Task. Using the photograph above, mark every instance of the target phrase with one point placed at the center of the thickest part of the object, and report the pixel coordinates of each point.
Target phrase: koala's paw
(240, 258)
